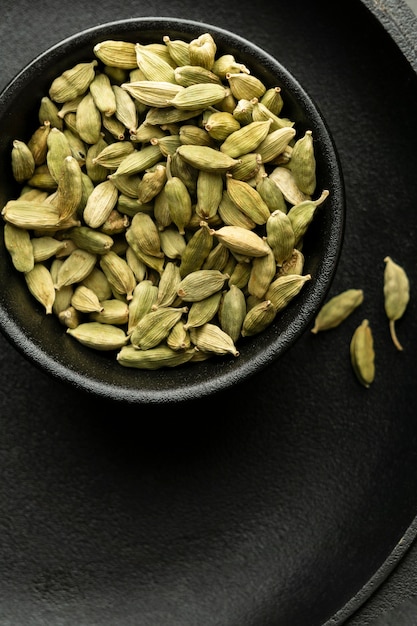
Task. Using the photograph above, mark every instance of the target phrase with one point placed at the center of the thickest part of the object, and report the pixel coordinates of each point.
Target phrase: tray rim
(400, 22)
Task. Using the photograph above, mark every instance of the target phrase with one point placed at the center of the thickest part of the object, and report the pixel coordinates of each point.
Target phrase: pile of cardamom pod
(163, 204)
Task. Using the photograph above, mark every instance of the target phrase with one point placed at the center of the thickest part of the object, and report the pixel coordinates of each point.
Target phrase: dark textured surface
(279, 503)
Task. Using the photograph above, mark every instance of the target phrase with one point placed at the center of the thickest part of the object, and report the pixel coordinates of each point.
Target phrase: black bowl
(42, 339)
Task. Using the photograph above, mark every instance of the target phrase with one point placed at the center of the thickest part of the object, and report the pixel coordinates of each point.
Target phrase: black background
(289, 499)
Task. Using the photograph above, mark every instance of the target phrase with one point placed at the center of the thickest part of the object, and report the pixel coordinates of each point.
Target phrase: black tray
(289, 500)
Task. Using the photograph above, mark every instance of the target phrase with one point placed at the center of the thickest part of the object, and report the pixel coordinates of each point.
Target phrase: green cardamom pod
(203, 311)
(212, 339)
(113, 311)
(362, 354)
(200, 284)
(155, 326)
(40, 284)
(280, 236)
(144, 297)
(396, 295)
(99, 336)
(23, 162)
(72, 82)
(258, 318)
(303, 163)
(232, 312)
(284, 288)
(154, 358)
(18, 244)
(118, 273)
(337, 309)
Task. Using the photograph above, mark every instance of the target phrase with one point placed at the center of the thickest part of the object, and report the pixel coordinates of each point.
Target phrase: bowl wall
(42, 339)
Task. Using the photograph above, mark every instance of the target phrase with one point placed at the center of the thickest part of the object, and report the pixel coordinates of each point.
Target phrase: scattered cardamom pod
(362, 354)
(396, 295)
(337, 309)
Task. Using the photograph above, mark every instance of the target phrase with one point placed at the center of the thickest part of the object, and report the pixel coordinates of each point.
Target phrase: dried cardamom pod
(262, 272)
(85, 300)
(179, 338)
(284, 288)
(155, 326)
(120, 54)
(100, 203)
(144, 297)
(206, 158)
(113, 311)
(139, 160)
(271, 194)
(144, 230)
(245, 85)
(103, 94)
(152, 183)
(232, 312)
(46, 247)
(154, 358)
(227, 64)
(126, 111)
(153, 66)
(99, 336)
(33, 215)
(153, 93)
(280, 236)
(275, 143)
(18, 244)
(196, 250)
(200, 284)
(118, 273)
(70, 190)
(258, 318)
(272, 99)
(178, 199)
(88, 120)
(58, 150)
(301, 215)
(247, 199)
(303, 163)
(23, 163)
(241, 241)
(198, 96)
(337, 309)
(284, 178)
(97, 281)
(111, 155)
(212, 339)
(246, 139)
(202, 51)
(362, 354)
(41, 286)
(37, 143)
(232, 215)
(396, 295)
(203, 311)
(69, 317)
(75, 268)
(72, 82)
(178, 50)
(187, 75)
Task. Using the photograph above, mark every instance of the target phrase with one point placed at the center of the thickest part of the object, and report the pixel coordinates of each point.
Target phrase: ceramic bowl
(43, 340)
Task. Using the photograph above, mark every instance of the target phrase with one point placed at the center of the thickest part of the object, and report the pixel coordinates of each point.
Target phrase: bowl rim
(193, 389)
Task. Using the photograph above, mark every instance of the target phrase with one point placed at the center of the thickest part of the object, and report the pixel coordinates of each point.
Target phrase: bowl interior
(42, 339)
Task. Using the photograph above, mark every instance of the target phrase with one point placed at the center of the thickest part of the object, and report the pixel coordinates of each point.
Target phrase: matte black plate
(286, 501)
